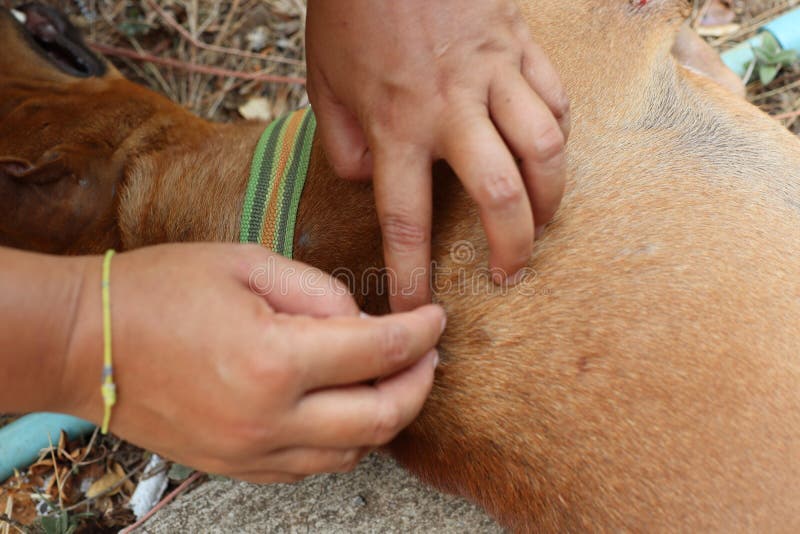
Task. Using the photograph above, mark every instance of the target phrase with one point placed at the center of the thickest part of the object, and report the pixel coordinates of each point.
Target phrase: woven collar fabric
(277, 177)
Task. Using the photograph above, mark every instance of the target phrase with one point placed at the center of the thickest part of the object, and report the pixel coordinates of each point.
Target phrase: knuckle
(561, 105)
(402, 233)
(280, 372)
(394, 342)
(502, 192)
(262, 370)
(552, 91)
(549, 143)
(386, 119)
(387, 424)
(391, 105)
(245, 438)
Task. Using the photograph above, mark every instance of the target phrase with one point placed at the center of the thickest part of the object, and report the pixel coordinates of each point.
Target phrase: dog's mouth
(54, 38)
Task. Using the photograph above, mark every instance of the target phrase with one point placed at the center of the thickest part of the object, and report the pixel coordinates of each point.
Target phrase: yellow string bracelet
(108, 389)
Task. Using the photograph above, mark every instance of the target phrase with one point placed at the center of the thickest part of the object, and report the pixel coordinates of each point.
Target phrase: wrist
(79, 391)
(40, 296)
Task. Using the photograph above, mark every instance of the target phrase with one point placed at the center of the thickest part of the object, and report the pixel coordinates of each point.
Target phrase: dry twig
(191, 67)
(170, 20)
(166, 500)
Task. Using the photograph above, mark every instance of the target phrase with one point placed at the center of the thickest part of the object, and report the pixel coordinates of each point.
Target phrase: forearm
(38, 299)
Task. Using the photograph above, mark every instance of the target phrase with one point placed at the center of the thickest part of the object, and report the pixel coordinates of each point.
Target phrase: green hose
(785, 29)
(21, 441)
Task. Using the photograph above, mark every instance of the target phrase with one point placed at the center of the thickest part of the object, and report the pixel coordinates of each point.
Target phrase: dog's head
(70, 126)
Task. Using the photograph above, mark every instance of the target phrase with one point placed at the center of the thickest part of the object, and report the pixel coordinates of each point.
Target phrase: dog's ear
(13, 167)
(24, 172)
(60, 204)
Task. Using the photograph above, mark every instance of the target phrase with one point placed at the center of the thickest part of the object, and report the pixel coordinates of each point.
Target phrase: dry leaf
(719, 30)
(128, 486)
(104, 504)
(50, 485)
(118, 470)
(9, 512)
(113, 477)
(41, 467)
(256, 108)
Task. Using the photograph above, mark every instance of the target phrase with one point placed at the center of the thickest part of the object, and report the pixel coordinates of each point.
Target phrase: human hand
(268, 388)
(398, 85)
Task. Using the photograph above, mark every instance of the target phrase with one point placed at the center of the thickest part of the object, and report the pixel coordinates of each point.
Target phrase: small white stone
(150, 488)
(257, 39)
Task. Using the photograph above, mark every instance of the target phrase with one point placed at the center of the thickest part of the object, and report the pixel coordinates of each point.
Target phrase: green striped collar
(277, 177)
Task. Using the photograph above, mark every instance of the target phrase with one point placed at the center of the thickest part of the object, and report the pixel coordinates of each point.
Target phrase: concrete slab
(377, 497)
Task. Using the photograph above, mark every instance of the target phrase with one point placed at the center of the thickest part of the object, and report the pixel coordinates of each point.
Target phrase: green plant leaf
(60, 523)
(55, 524)
(769, 44)
(786, 57)
(767, 73)
(179, 472)
(764, 56)
(769, 58)
(49, 524)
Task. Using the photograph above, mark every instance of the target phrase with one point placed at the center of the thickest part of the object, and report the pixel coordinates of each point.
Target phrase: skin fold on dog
(647, 377)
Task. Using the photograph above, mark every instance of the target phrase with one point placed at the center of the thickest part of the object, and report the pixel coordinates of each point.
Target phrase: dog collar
(277, 177)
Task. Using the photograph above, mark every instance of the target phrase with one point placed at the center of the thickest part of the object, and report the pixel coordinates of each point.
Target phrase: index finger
(403, 198)
(341, 351)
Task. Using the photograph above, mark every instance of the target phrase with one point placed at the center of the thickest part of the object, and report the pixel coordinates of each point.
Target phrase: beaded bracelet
(108, 388)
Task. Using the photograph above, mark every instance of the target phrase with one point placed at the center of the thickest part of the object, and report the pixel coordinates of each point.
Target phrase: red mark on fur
(642, 3)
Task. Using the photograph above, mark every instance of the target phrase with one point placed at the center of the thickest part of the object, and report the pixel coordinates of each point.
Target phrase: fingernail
(444, 325)
(539, 232)
(517, 278)
(498, 276)
(364, 315)
(435, 358)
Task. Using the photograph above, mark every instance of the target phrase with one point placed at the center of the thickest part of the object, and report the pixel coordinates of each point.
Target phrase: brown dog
(648, 378)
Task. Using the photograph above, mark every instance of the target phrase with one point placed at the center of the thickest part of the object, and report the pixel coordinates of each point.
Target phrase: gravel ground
(378, 497)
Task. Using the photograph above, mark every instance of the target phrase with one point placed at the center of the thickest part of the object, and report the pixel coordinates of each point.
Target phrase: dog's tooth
(19, 15)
